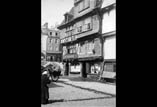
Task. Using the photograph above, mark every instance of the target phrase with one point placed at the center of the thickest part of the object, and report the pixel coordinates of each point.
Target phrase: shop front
(71, 64)
(90, 56)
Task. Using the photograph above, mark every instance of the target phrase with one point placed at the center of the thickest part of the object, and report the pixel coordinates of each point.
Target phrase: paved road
(62, 95)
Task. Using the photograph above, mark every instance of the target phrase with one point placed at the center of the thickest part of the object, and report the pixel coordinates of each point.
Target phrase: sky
(52, 11)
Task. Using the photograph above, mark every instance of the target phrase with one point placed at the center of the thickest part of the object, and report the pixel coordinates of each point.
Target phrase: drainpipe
(100, 14)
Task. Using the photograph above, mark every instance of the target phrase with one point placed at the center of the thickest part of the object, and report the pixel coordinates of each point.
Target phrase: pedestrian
(45, 80)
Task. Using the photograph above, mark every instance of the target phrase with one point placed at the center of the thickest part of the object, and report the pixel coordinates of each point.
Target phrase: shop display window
(95, 68)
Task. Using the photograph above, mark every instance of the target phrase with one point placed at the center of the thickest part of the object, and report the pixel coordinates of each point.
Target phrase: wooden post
(83, 70)
(66, 69)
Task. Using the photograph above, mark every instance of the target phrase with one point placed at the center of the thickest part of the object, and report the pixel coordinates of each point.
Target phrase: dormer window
(66, 17)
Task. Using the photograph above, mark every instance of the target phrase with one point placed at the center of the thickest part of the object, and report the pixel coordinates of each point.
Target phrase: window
(58, 41)
(57, 49)
(49, 40)
(79, 49)
(67, 34)
(50, 33)
(72, 49)
(55, 40)
(95, 68)
(80, 29)
(68, 50)
(74, 29)
(52, 40)
(70, 28)
(84, 28)
(64, 50)
(73, 32)
(69, 38)
(88, 26)
(88, 23)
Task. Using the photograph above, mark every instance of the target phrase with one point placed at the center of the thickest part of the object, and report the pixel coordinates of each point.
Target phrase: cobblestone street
(62, 95)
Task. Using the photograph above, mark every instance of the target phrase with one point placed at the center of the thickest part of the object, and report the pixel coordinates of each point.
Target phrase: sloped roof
(63, 22)
(71, 16)
(71, 11)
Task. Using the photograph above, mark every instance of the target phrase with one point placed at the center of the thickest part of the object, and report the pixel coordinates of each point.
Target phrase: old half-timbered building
(81, 38)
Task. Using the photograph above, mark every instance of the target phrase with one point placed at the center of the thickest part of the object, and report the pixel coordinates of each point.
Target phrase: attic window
(66, 17)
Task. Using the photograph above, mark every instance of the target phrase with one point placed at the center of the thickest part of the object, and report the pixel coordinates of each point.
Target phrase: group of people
(45, 80)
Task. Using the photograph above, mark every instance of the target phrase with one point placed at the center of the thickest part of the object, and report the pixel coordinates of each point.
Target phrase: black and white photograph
(78, 53)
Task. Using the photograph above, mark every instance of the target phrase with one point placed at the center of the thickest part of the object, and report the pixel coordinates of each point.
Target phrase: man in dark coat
(44, 88)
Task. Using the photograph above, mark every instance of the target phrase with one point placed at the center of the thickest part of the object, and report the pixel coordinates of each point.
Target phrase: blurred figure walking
(45, 80)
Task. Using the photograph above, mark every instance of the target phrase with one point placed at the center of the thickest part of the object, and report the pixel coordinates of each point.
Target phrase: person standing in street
(45, 80)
